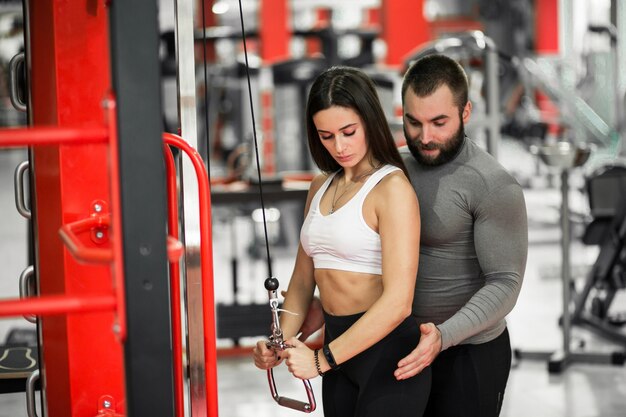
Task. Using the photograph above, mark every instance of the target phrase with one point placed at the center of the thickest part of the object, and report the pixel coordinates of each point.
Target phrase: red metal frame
(175, 292)
(206, 265)
(69, 77)
(52, 305)
(33, 136)
(69, 236)
(70, 83)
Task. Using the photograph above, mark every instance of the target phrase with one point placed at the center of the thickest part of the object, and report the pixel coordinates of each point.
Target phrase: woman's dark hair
(353, 89)
(429, 73)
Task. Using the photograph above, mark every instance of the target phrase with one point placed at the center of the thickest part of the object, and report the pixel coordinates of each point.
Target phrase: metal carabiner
(277, 343)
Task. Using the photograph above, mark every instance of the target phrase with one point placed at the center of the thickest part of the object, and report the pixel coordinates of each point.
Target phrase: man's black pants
(469, 380)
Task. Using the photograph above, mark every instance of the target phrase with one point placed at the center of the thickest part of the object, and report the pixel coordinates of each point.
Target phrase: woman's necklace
(355, 180)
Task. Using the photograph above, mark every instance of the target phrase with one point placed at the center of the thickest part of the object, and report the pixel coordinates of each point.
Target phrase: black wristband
(317, 362)
(329, 357)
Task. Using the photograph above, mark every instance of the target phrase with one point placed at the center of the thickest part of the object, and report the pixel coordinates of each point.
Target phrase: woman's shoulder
(318, 181)
(393, 175)
(394, 184)
(394, 195)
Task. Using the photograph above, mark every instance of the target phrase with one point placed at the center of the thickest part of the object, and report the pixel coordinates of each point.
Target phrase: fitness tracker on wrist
(329, 357)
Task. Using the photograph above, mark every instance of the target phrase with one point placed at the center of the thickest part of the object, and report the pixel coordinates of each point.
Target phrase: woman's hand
(264, 357)
(300, 359)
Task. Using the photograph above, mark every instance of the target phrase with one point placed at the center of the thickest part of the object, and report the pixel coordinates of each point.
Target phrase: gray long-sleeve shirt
(474, 243)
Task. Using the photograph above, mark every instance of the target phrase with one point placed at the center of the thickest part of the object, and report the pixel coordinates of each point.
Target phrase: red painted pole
(206, 264)
(547, 44)
(274, 30)
(547, 26)
(404, 27)
(175, 293)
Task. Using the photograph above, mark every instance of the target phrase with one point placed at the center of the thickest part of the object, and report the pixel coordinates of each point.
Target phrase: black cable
(206, 92)
(256, 146)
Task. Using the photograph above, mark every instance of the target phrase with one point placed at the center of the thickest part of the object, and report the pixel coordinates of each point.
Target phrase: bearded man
(474, 244)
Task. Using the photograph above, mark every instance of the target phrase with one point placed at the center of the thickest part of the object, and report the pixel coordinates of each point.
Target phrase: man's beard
(447, 150)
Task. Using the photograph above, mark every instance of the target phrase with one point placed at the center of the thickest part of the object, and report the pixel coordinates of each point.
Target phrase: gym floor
(583, 390)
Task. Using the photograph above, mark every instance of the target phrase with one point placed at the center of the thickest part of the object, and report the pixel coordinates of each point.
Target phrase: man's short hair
(429, 73)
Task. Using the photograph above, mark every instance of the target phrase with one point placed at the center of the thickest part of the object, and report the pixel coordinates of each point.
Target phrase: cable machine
(99, 212)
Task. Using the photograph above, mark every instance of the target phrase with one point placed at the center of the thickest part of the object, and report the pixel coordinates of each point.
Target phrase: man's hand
(423, 355)
(314, 319)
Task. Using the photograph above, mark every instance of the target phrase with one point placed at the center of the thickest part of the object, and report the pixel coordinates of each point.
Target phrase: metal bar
(620, 62)
(116, 209)
(26, 283)
(493, 98)
(206, 263)
(31, 408)
(56, 304)
(51, 136)
(565, 261)
(187, 110)
(18, 183)
(68, 233)
(175, 293)
(15, 63)
(290, 402)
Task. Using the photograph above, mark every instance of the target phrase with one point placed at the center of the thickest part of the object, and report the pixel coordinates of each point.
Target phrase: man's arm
(313, 321)
(501, 241)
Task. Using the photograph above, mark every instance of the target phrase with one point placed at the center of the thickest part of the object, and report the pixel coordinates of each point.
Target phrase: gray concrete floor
(582, 391)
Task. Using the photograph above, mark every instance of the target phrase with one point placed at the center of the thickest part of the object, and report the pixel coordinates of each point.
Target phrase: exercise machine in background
(606, 189)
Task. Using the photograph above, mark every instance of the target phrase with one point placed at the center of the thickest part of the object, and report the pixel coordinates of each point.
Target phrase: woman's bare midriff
(344, 293)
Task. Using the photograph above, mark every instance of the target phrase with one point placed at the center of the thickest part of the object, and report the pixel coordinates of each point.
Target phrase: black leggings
(469, 380)
(365, 385)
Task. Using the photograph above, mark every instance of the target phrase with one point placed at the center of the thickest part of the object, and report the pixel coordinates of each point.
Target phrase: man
(474, 242)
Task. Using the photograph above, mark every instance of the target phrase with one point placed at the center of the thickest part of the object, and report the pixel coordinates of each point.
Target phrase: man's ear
(467, 112)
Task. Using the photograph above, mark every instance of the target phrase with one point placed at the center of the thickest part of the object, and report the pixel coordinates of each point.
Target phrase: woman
(359, 245)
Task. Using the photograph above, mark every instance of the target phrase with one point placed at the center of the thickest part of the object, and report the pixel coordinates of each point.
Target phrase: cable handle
(277, 343)
(305, 407)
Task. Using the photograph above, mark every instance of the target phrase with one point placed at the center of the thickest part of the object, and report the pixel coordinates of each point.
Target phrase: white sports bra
(343, 240)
